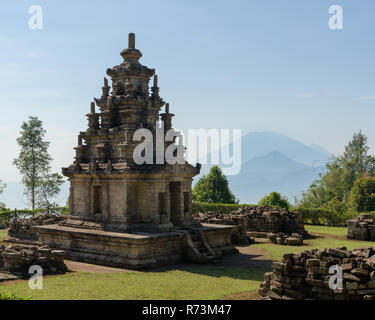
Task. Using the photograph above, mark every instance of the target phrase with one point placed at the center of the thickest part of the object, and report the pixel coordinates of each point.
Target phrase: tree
(2, 187)
(342, 172)
(33, 163)
(362, 195)
(213, 188)
(274, 199)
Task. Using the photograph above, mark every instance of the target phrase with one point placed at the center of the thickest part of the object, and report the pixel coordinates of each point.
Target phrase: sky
(253, 65)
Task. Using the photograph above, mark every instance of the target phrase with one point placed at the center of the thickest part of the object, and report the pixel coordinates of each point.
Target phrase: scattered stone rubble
(18, 259)
(22, 229)
(361, 228)
(258, 221)
(281, 238)
(305, 275)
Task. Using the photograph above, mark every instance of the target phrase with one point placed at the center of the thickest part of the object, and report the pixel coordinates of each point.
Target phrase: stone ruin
(305, 275)
(22, 230)
(124, 212)
(281, 238)
(18, 259)
(361, 228)
(258, 221)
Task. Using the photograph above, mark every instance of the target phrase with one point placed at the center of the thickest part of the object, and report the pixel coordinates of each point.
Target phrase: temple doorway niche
(187, 207)
(175, 195)
(97, 199)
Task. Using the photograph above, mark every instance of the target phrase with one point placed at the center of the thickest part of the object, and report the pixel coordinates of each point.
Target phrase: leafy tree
(342, 172)
(274, 199)
(362, 195)
(213, 188)
(2, 187)
(49, 188)
(33, 163)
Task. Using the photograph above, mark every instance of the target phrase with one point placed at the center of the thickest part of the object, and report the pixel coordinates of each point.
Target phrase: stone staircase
(199, 250)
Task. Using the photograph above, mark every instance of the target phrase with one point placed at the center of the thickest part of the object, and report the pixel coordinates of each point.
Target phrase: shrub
(7, 215)
(274, 199)
(362, 195)
(323, 216)
(217, 207)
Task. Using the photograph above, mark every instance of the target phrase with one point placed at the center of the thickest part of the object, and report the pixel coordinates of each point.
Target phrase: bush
(323, 216)
(362, 195)
(7, 215)
(274, 199)
(217, 207)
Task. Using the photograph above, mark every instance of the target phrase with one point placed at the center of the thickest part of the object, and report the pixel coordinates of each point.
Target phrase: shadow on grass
(241, 266)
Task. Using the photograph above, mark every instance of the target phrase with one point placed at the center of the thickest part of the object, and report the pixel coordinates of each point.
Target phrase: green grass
(324, 237)
(192, 283)
(334, 231)
(3, 235)
(199, 282)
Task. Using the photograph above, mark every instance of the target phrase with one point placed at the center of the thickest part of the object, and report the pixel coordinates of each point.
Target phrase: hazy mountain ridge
(275, 162)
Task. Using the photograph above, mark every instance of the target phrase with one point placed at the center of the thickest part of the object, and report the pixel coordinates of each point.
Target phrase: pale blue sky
(255, 65)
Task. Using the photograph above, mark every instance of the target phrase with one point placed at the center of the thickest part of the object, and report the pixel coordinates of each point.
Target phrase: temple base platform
(139, 250)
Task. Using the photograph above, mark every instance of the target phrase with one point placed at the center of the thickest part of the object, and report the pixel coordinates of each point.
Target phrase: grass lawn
(3, 235)
(324, 237)
(184, 282)
(194, 283)
(334, 231)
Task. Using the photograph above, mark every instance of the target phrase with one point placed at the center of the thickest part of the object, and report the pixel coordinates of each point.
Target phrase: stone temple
(122, 213)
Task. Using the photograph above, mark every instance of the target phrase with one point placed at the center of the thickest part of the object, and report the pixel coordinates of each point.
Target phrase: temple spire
(92, 107)
(131, 41)
(155, 80)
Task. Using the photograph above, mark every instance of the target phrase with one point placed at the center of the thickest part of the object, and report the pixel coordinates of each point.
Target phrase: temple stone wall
(18, 259)
(259, 220)
(305, 275)
(362, 228)
(22, 229)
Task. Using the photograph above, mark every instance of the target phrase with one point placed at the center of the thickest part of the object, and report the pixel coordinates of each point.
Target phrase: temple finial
(105, 82)
(92, 107)
(155, 80)
(131, 41)
(167, 108)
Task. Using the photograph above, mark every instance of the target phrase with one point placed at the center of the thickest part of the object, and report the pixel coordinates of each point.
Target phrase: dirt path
(248, 257)
(76, 266)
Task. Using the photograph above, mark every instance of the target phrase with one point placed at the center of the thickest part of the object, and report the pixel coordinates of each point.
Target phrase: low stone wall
(361, 228)
(305, 275)
(281, 238)
(19, 259)
(260, 219)
(22, 229)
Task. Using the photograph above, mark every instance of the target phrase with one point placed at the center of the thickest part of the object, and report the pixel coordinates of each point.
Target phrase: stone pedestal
(137, 250)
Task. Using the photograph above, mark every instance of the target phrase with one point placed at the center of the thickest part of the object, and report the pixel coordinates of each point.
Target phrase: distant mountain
(272, 172)
(271, 166)
(255, 144)
(274, 162)
(14, 199)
